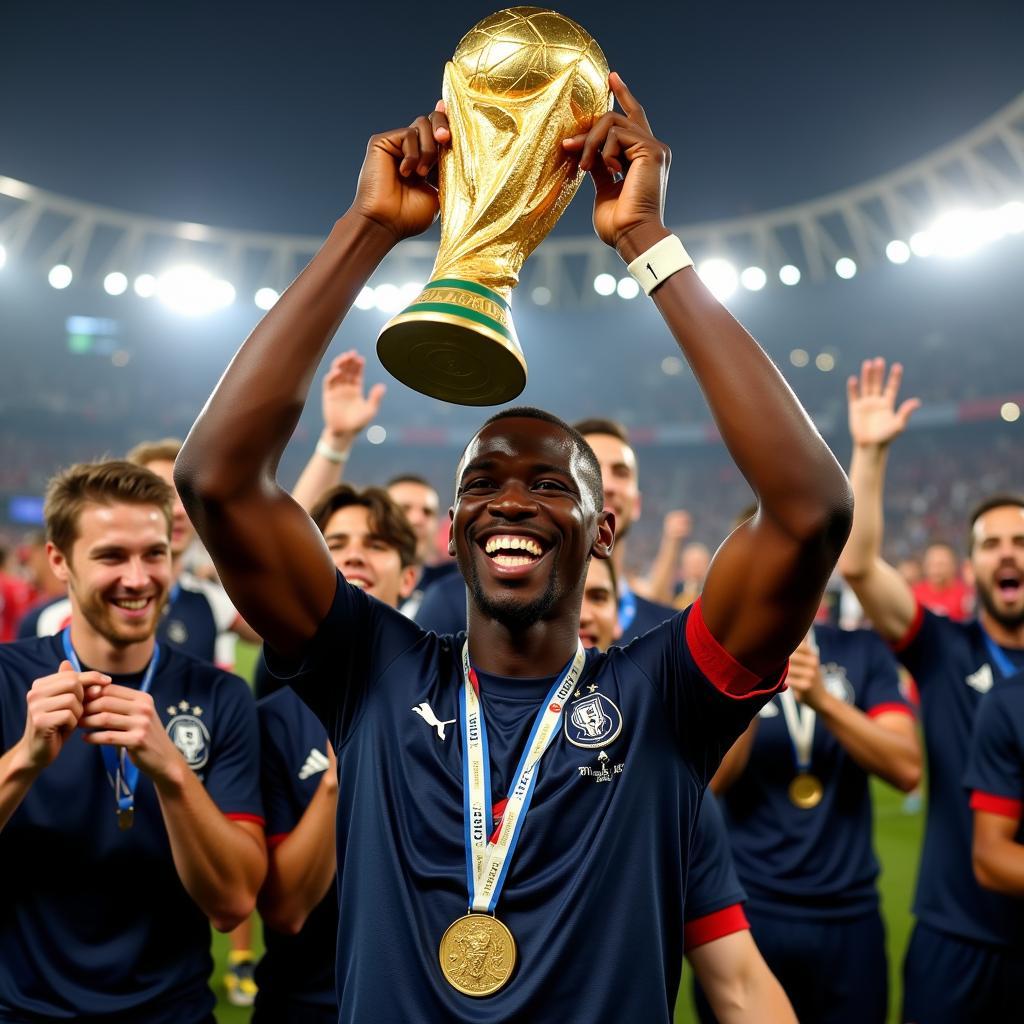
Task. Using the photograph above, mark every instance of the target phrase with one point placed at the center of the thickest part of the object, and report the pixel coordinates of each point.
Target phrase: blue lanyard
(122, 772)
(627, 608)
(999, 656)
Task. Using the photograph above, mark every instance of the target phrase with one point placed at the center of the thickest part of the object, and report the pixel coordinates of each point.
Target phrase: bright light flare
(799, 357)
(753, 279)
(265, 298)
(897, 251)
(1010, 411)
(376, 434)
(60, 276)
(604, 284)
(627, 288)
(846, 268)
(789, 275)
(145, 286)
(541, 295)
(387, 298)
(366, 299)
(115, 283)
(720, 277)
(3, 256)
(193, 291)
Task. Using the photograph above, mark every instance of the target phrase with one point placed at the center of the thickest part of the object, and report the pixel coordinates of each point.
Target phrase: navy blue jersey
(196, 614)
(952, 667)
(94, 921)
(293, 747)
(714, 896)
(602, 860)
(637, 615)
(820, 861)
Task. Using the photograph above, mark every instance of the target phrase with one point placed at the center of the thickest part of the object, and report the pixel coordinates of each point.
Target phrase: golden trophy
(520, 82)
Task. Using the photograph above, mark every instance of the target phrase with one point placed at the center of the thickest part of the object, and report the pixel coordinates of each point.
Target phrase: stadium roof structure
(978, 171)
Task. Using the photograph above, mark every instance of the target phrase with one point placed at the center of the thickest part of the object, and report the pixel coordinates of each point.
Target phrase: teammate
(15, 598)
(942, 590)
(114, 866)
(592, 869)
(798, 814)
(373, 545)
(963, 934)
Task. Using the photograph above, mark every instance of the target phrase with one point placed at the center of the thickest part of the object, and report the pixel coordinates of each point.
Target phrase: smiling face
(525, 521)
(997, 563)
(365, 558)
(118, 570)
(599, 613)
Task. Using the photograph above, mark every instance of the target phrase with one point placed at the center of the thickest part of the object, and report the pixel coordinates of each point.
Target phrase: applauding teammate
(434, 733)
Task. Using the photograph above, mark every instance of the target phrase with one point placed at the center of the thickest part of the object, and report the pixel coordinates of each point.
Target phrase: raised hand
(623, 144)
(54, 708)
(875, 418)
(393, 189)
(677, 526)
(347, 410)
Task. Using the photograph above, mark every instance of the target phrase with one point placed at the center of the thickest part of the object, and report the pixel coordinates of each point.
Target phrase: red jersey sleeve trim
(725, 673)
(1004, 806)
(277, 839)
(255, 818)
(703, 930)
(911, 634)
(890, 707)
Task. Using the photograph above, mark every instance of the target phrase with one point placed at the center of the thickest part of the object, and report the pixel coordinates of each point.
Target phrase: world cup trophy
(520, 82)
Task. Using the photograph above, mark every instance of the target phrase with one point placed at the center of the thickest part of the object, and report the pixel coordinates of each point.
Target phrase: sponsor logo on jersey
(837, 683)
(592, 721)
(981, 680)
(176, 631)
(604, 772)
(316, 762)
(426, 712)
(189, 733)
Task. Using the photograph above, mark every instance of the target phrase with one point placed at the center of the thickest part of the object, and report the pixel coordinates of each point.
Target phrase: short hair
(385, 518)
(109, 482)
(598, 425)
(164, 450)
(1004, 500)
(593, 483)
(610, 562)
(410, 478)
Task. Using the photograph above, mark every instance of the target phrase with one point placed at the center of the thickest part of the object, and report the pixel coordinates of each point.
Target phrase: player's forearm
(16, 777)
(301, 868)
(237, 441)
(770, 437)
(999, 866)
(892, 755)
(662, 577)
(220, 864)
(756, 998)
(321, 473)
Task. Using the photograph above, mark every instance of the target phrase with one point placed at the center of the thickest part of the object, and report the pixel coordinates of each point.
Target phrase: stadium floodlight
(265, 298)
(604, 284)
(366, 299)
(671, 366)
(3, 256)
(115, 283)
(825, 361)
(60, 276)
(753, 279)
(541, 295)
(1010, 214)
(376, 434)
(1010, 411)
(719, 276)
(145, 286)
(799, 357)
(922, 243)
(897, 251)
(627, 288)
(960, 233)
(846, 268)
(193, 291)
(387, 298)
(789, 275)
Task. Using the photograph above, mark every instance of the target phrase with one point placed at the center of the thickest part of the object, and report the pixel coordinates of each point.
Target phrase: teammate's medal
(477, 952)
(805, 789)
(125, 818)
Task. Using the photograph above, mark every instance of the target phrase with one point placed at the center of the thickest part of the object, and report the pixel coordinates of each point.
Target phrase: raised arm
(271, 558)
(347, 411)
(662, 577)
(875, 422)
(766, 581)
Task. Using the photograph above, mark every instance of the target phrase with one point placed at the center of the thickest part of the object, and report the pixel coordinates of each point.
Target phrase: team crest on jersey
(176, 631)
(981, 680)
(592, 722)
(189, 734)
(836, 682)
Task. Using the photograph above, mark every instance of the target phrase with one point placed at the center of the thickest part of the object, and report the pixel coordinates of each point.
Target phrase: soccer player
(15, 598)
(591, 880)
(963, 934)
(129, 799)
(373, 545)
(942, 590)
(798, 812)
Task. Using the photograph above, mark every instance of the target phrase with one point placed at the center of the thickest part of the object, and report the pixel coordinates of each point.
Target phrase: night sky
(256, 115)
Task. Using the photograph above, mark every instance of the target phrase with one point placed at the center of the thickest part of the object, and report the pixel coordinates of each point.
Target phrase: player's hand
(628, 211)
(805, 678)
(54, 708)
(677, 526)
(347, 410)
(875, 418)
(330, 779)
(124, 717)
(393, 189)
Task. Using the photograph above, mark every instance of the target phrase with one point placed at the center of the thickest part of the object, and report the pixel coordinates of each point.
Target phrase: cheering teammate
(963, 934)
(129, 797)
(798, 812)
(591, 880)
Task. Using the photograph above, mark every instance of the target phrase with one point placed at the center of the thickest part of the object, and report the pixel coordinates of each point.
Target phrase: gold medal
(477, 954)
(806, 791)
(125, 818)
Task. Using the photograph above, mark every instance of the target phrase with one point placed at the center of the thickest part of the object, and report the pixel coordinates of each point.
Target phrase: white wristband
(331, 454)
(659, 263)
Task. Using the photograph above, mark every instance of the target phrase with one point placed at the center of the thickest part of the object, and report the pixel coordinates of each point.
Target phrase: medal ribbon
(800, 721)
(122, 772)
(487, 862)
(999, 656)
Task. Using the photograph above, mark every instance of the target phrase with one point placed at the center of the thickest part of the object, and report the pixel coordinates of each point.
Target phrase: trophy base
(455, 342)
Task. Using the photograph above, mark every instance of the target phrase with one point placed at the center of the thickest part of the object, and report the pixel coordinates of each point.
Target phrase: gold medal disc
(477, 954)
(806, 791)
